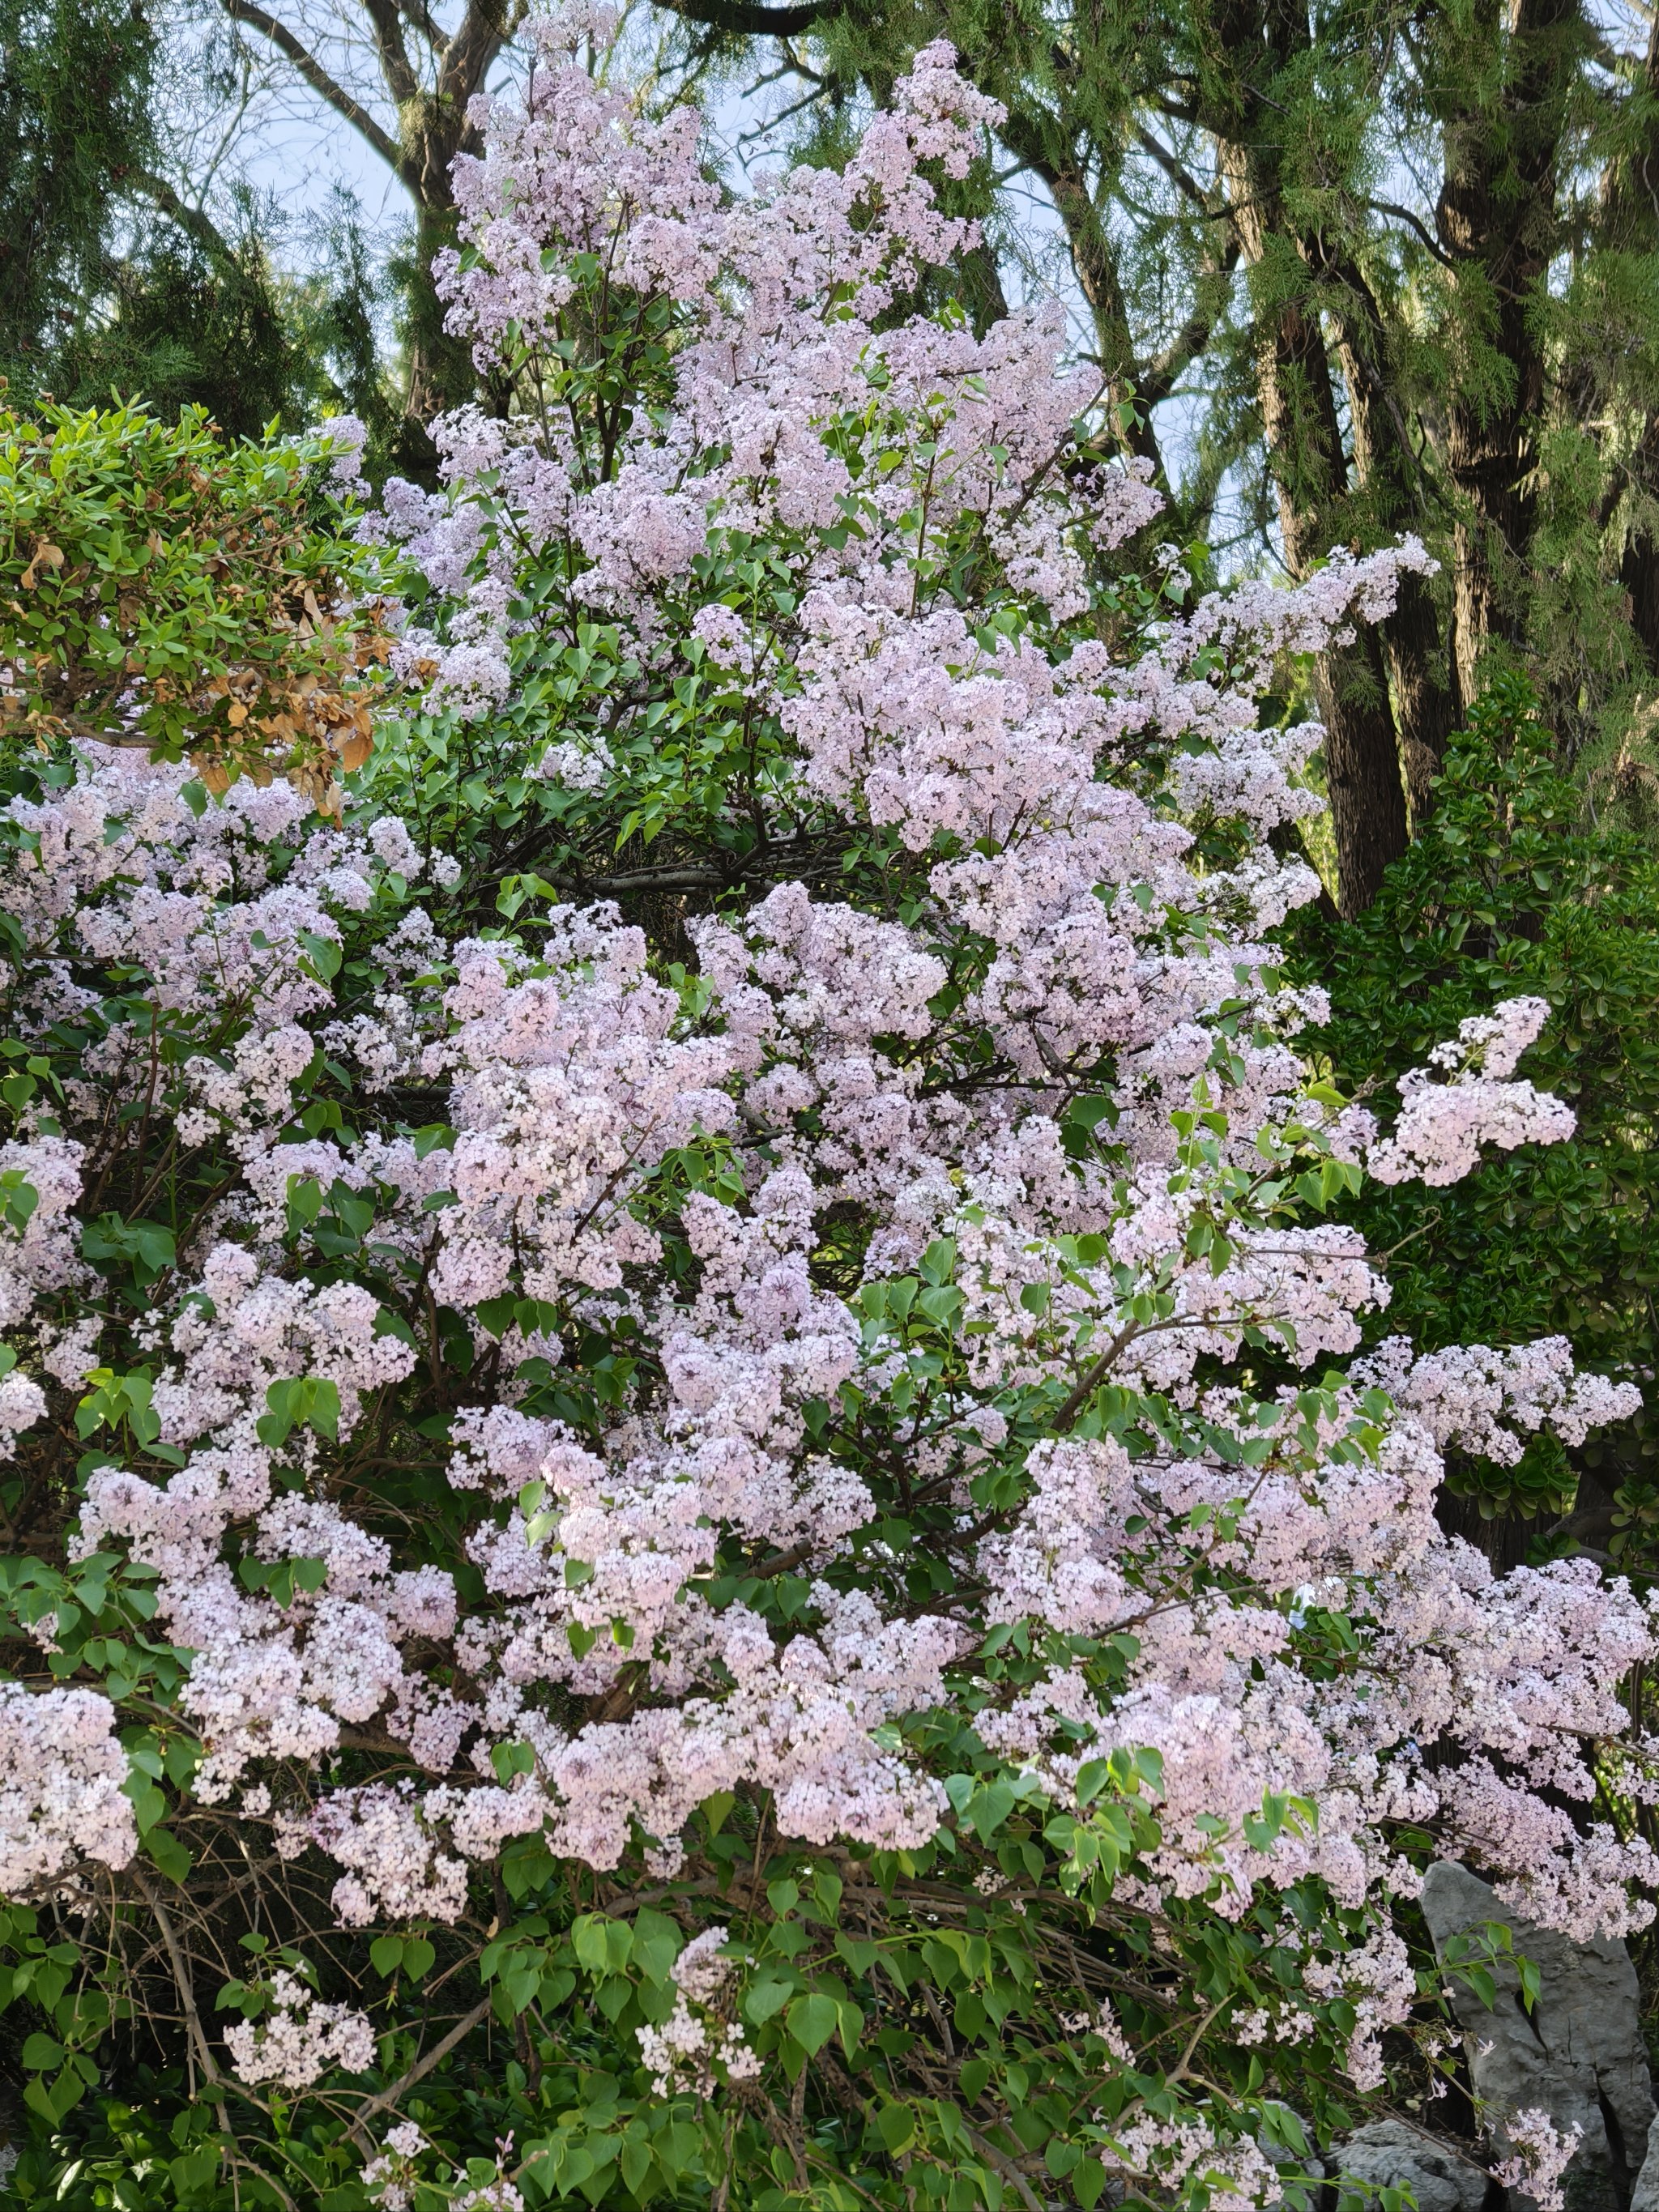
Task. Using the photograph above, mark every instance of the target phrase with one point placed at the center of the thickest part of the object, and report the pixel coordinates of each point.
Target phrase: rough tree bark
(1630, 225)
(1304, 439)
(1390, 479)
(1497, 222)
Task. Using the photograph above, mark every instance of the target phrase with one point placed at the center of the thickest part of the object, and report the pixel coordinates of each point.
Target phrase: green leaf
(385, 1954)
(1088, 2180)
(812, 2021)
(307, 1400)
(989, 1808)
(54, 2102)
(860, 1956)
(325, 956)
(657, 1944)
(195, 2170)
(765, 1997)
(172, 1856)
(149, 1803)
(897, 2125)
(635, 2161)
(602, 1945)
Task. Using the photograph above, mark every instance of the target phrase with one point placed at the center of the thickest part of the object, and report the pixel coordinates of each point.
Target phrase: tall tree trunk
(1496, 218)
(438, 369)
(1304, 451)
(1419, 664)
(1630, 224)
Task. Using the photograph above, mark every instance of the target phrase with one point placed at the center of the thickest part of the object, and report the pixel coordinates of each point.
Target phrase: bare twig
(357, 2128)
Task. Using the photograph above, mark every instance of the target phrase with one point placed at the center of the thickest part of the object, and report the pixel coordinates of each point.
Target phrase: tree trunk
(1304, 451)
(1630, 225)
(1419, 669)
(438, 372)
(432, 129)
(1368, 802)
(1496, 218)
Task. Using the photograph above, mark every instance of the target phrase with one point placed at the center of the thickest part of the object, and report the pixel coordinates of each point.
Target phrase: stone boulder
(1644, 2197)
(1578, 2055)
(1388, 2155)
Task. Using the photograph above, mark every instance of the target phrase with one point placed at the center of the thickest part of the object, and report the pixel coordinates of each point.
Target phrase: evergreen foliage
(1513, 886)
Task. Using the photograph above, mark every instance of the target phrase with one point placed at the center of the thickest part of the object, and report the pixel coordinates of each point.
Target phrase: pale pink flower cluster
(497, 2195)
(1379, 1982)
(390, 2175)
(43, 1254)
(1102, 2021)
(395, 1870)
(1489, 1402)
(684, 2050)
(299, 2038)
(1585, 1886)
(347, 435)
(1442, 1126)
(215, 909)
(1540, 2154)
(778, 294)
(61, 1776)
(1236, 2172)
(1527, 1668)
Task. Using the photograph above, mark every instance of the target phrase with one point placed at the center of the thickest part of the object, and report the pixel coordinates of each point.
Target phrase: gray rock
(1388, 2155)
(1578, 2055)
(1644, 2197)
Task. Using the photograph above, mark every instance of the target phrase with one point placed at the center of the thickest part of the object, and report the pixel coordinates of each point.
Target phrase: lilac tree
(731, 1525)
